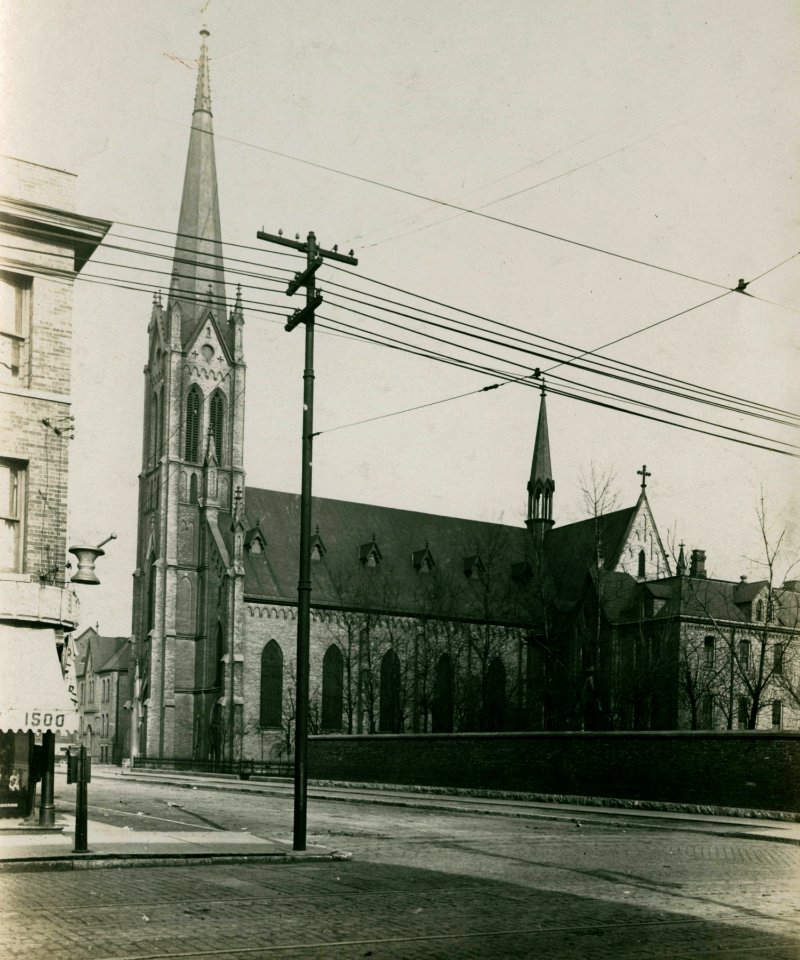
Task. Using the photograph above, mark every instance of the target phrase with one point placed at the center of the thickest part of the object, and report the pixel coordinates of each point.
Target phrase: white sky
(468, 102)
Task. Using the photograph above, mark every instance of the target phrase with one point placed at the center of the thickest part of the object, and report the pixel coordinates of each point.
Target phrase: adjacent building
(44, 244)
(101, 672)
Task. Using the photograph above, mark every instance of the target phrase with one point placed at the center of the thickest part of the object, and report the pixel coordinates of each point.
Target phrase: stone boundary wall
(746, 769)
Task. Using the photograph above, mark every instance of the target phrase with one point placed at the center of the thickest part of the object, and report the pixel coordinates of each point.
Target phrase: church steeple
(198, 277)
(541, 484)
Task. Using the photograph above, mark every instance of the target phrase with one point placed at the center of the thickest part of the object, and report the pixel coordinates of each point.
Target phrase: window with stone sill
(777, 713)
(14, 327)
(12, 515)
(709, 647)
(777, 658)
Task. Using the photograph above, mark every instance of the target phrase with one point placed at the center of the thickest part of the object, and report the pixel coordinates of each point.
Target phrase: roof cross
(644, 474)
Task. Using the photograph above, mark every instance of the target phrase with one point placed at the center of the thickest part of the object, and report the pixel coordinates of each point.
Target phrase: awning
(33, 694)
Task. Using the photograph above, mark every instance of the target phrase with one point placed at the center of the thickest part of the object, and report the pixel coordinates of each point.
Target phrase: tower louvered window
(216, 421)
(192, 433)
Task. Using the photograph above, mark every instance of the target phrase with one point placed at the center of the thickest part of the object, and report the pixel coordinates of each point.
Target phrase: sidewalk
(112, 846)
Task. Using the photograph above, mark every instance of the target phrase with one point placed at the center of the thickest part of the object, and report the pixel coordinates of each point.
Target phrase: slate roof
(570, 549)
(721, 600)
(342, 577)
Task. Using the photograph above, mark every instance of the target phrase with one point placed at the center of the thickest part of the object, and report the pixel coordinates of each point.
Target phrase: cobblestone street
(422, 883)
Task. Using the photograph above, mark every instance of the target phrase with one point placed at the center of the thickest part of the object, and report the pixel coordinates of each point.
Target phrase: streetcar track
(152, 816)
(440, 937)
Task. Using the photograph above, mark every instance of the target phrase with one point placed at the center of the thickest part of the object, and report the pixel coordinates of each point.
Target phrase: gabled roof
(571, 549)
(107, 653)
(746, 591)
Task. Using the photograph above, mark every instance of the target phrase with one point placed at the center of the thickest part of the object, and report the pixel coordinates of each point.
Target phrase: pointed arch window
(642, 563)
(155, 428)
(216, 421)
(442, 706)
(494, 698)
(220, 650)
(271, 704)
(151, 595)
(332, 684)
(391, 719)
(192, 425)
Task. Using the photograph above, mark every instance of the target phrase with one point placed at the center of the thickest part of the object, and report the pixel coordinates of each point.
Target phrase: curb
(104, 861)
(594, 805)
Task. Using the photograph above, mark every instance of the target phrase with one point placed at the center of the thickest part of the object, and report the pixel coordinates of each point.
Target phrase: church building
(419, 622)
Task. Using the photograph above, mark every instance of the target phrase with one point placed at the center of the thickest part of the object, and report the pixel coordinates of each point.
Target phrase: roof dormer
(369, 554)
(254, 540)
(473, 567)
(422, 560)
(318, 549)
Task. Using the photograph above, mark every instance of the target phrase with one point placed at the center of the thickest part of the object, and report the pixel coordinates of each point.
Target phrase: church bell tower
(184, 625)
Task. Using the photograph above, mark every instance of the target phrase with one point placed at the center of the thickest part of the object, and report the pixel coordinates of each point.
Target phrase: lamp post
(79, 769)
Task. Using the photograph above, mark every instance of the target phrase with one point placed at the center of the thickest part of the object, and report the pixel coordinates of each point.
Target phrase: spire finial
(644, 474)
(202, 96)
(681, 564)
(541, 485)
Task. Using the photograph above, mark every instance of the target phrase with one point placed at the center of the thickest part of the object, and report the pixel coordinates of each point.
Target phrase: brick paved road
(422, 884)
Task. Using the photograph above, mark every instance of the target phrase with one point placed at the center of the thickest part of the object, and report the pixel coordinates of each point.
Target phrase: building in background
(101, 671)
(44, 243)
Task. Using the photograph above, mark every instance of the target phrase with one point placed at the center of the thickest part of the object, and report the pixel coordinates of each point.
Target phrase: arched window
(155, 429)
(494, 697)
(271, 711)
(220, 649)
(192, 431)
(151, 596)
(442, 706)
(184, 614)
(332, 682)
(759, 610)
(193, 488)
(642, 561)
(390, 715)
(216, 421)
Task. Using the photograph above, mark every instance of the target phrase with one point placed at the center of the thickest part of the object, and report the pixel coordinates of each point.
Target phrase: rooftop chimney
(697, 565)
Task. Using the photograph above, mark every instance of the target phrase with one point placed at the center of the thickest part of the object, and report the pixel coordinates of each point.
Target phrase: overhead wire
(571, 359)
(101, 278)
(477, 213)
(474, 367)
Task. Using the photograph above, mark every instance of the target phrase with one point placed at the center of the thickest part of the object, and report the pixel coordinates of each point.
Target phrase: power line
(474, 212)
(570, 360)
(527, 381)
(473, 367)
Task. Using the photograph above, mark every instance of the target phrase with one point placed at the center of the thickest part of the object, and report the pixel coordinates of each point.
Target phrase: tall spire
(541, 484)
(198, 276)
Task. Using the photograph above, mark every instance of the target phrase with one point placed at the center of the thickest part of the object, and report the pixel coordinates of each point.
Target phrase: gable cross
(644, 474)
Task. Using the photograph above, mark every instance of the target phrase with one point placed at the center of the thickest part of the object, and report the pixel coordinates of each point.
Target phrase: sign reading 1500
(38, 719)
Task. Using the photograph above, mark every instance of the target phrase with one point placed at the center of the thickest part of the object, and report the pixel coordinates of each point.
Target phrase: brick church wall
(750, 769)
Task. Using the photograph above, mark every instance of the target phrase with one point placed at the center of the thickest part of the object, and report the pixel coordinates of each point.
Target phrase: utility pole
(315, 257)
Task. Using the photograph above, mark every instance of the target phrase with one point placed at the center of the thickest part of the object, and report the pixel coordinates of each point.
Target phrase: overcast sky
(665, 132)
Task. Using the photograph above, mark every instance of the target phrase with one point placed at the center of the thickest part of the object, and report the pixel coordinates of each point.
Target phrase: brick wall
(752, 769)
(37, 184)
